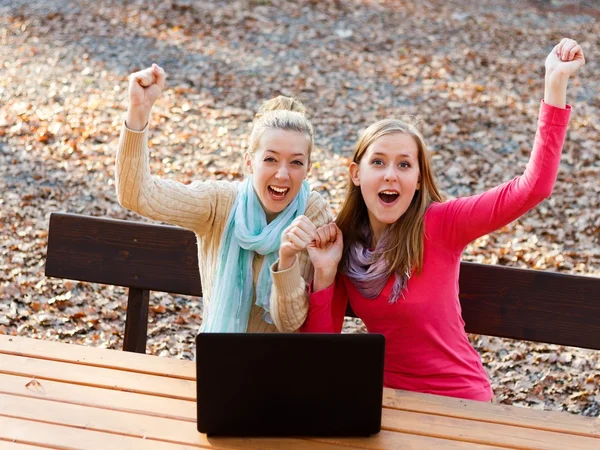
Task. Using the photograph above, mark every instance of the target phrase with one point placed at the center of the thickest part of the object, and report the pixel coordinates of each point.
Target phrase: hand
(564, 59)
(145, 87)
(294, 239)
(325, 253)
(326, 250)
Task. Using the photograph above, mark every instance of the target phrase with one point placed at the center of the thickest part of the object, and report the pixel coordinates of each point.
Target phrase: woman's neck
(270, 216)
(377, 230)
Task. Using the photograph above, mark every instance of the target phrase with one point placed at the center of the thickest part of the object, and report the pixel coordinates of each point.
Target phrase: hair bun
(282, 103)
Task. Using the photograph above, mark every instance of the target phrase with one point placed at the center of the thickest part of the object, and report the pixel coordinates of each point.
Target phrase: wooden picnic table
(57, 395)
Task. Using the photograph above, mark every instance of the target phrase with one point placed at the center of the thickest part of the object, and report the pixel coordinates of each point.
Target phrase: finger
(329, 231)
(304, 220)
(335, 231)
(575, 51)
(560, 46)
(556, 50)
(297, 243)
(300, 218)
(307, 227)
(566, 48)
(160, 75)
(317, 241)
(321, 239)
(144, 77)
(302, 235)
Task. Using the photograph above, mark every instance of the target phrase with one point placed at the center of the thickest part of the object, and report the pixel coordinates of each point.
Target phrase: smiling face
(388, 176)
(279, 165)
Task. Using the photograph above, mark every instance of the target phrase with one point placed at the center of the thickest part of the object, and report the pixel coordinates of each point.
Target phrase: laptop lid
(279, 384)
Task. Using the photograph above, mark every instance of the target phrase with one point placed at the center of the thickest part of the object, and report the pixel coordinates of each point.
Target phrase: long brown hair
(404, 249)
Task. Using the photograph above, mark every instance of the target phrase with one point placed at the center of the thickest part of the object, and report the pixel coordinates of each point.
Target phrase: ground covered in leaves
(471, 73)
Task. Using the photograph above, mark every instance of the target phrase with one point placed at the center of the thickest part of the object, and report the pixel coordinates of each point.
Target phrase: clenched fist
(145, 87)
(294, 239)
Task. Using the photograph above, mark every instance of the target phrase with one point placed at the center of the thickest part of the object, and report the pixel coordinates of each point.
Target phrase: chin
(275, 209)
(389, 219)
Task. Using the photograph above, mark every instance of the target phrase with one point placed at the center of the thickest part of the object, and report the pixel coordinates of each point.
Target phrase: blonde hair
(283, 113)
(404, 248)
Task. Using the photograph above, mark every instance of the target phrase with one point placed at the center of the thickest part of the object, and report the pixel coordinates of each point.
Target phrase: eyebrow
(406, 155)
(277, 153)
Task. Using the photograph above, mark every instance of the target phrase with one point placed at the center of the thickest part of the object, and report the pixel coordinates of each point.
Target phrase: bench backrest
(495, 300)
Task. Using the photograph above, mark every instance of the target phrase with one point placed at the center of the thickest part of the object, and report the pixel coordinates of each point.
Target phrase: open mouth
(277, 193)
(388, 196)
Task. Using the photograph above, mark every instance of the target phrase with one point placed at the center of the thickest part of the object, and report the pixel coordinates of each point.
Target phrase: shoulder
(318, 210)
(217, 189)
(434, 210)
(435, 215)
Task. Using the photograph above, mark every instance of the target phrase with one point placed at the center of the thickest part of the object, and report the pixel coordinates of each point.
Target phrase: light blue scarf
(246, 233)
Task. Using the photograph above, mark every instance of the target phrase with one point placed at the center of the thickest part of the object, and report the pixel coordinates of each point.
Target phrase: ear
(419, 183)
(308, 169)
(248, 162)
(355, 174)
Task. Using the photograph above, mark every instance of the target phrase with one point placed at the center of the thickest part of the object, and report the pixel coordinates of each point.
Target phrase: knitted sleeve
(289, 295)
(457, 222)
(199, 206)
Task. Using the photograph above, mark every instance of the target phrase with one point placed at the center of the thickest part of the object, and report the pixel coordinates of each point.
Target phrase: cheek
(369, 193)
(370, 182)
(259, 178)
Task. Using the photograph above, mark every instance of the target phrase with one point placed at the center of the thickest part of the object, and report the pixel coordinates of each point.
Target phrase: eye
(404, 165)
(269, 159)
(377, 162)
(297, 163)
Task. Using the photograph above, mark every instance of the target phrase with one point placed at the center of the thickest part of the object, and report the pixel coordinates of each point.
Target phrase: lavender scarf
(367, 269)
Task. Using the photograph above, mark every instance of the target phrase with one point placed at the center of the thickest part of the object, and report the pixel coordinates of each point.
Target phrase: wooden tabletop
(56, 395)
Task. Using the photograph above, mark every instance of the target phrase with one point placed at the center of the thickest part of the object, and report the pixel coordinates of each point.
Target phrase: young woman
(400, 257)
(239, 226)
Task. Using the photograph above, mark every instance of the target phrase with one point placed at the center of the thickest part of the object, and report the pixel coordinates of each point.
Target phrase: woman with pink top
(398, 262)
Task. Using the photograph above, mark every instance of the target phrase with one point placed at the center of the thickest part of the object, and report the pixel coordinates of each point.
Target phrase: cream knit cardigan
(203, 207)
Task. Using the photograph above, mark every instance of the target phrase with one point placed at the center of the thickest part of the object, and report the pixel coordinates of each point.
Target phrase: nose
(390, 174)
(282, 173)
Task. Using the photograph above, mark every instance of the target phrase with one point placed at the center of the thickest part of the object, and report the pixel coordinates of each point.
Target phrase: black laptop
(279, 384)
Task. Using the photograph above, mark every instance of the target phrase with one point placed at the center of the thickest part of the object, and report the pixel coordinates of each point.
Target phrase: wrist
(555, 90)
(324, 277)
(285, 262)
(556, 79)
(137, 119)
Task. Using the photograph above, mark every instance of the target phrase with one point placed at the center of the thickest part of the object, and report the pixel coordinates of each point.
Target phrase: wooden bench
(498, 301)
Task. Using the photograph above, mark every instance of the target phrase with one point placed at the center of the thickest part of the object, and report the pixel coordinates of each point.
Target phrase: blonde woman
(239, 225)
(400, 256)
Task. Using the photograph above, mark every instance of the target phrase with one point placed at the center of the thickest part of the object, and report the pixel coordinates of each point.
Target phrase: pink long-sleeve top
(427, 349)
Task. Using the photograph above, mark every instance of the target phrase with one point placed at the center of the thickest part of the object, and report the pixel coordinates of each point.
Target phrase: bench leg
(136, 323)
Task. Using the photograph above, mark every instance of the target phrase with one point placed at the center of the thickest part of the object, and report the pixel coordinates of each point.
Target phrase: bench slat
(54, 436)
(123, 253)
(480, 411)
(97, 377)
(96, 357)
(531, 305)
(116, 400)
(480, 432)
